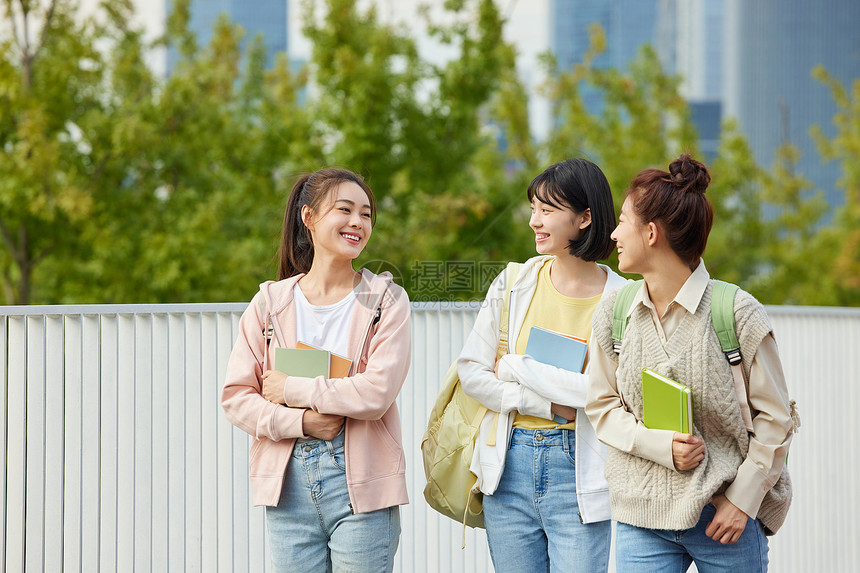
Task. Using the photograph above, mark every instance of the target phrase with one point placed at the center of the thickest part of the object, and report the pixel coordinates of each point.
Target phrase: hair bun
(689, 174)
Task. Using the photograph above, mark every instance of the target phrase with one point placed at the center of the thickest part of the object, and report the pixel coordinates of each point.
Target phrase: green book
(667, 404)
(306, 362)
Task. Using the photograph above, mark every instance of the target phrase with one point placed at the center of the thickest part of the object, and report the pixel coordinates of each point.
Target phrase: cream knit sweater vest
(644, 493)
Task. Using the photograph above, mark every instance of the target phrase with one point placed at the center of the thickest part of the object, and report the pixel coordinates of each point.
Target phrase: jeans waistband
(543, 438)
(313, 447)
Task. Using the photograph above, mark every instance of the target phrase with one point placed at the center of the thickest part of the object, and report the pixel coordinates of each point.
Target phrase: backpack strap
(512, 273)
(723, 318)
(621, 311)
(268, 329)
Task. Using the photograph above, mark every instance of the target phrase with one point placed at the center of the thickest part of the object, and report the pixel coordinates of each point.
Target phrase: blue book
(557, 349)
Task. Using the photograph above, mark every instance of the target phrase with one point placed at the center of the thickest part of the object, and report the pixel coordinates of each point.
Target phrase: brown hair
(296, 253)
(676, 201)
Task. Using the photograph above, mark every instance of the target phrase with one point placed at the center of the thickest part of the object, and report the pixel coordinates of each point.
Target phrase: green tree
(118, 186)
(769, 234)
(184, 179)
(843, 237)
(49, 75)
(790, 272)
(192, 204)
(416, 130)
(643, 122)
(178, 187)
(735, 245)
(786, 245)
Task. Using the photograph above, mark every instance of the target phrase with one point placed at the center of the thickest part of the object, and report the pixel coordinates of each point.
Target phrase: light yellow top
(552, 310)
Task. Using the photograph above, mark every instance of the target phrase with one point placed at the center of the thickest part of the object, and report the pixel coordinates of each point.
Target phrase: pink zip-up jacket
(379, 346)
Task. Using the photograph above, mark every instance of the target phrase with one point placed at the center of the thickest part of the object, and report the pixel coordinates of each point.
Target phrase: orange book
(338, 365)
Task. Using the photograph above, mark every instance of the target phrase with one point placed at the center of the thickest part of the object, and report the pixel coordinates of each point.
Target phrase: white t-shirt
(324, 326)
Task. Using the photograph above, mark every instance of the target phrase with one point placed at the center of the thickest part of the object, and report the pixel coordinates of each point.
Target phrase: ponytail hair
(296, 252)
(676, 201)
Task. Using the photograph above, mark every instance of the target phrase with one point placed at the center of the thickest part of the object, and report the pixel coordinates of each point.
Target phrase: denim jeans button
(539, 437)
(308, 448)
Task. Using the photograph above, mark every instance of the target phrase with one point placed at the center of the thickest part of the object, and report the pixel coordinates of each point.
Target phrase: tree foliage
(842, 239)
(120, 186)
(416, 131)
(46, 100)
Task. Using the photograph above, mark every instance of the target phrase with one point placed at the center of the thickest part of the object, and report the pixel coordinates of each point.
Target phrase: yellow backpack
(449, 440)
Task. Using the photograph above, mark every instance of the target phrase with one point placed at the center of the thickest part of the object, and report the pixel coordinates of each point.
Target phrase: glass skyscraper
(690, 43)
(688, 37)
(266, 17)
(628, 24)
(771, 48)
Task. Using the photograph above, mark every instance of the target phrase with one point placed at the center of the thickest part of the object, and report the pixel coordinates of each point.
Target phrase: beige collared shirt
(767, 395)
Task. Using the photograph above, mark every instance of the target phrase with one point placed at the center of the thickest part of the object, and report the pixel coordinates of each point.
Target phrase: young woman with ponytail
(326, 457)
(706, 497)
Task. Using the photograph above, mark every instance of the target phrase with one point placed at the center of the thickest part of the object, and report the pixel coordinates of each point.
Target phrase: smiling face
(556, 227)
(631, 238)
(344, 225)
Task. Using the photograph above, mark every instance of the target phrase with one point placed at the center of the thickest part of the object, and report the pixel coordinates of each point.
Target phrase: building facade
(628, 25)
(690, 43)
(265, 17)
(687, 36)
(770, 50)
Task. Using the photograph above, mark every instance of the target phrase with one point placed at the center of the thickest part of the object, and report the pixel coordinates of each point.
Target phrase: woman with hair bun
(710, 496)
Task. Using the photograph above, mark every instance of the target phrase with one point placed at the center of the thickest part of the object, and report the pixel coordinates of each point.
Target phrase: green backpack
(723, 318)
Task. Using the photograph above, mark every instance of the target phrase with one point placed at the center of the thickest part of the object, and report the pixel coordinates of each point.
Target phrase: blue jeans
(313, 527)
(532, 519)
(643, 550)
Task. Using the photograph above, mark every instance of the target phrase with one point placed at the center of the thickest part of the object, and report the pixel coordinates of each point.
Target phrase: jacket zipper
(374, 320)
(353, 371)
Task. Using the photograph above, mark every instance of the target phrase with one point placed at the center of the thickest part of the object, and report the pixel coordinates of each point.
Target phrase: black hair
(579, 184)
(296, 253)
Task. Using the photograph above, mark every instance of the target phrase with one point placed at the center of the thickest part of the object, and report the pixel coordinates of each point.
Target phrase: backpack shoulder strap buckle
(734, 356)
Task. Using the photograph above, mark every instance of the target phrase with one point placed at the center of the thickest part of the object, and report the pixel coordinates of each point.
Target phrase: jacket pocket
(392, 444)
(372, 450)
(269, 458)
(254, 453)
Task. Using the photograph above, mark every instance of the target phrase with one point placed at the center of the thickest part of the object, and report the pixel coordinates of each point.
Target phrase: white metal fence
(117, 456)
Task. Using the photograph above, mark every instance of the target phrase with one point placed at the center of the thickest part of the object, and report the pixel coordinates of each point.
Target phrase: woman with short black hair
(537, 460)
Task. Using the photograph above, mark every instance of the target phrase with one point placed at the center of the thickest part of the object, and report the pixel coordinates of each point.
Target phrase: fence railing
(117, 455)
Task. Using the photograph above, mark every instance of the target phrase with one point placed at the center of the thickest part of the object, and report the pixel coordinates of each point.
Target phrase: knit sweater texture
(644, 493)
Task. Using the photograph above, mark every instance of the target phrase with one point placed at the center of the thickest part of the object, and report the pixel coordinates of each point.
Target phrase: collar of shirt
(689, 296)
